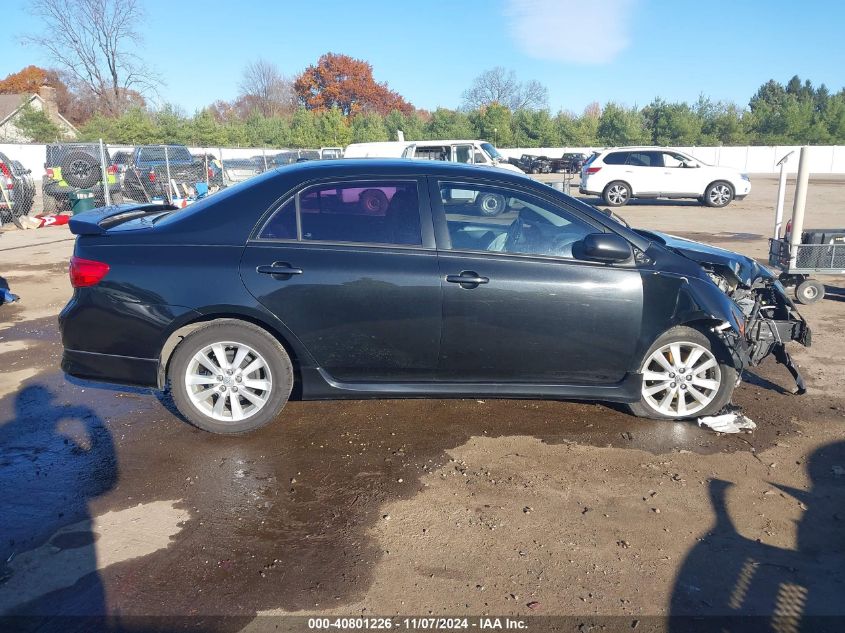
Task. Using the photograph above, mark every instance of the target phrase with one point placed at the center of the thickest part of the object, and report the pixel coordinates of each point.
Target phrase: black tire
(279, 374)
(81, 170)
(616, 193)
(718, 194)
(490, 204)
(724, 373)
(809, 291)
(373, 202)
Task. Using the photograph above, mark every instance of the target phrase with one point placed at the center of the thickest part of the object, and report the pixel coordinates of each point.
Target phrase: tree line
(793, 114)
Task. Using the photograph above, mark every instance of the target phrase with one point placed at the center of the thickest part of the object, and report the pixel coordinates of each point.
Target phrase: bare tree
(499, 85)
(94, 42)
(266, 89)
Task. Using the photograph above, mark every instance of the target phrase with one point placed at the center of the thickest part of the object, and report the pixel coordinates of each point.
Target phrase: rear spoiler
(98, 221)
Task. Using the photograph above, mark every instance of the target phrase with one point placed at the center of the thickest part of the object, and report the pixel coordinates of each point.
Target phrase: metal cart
(799, 253)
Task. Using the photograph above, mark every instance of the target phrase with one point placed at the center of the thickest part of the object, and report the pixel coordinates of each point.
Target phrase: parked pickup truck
(146, 176)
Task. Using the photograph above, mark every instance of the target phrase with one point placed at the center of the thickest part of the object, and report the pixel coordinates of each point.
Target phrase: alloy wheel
(720, 195)
(680, 379)
(617, 194)
(228, 381)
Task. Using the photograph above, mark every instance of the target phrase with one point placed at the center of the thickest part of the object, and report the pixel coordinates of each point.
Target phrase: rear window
(616, 158)
(56, 153)
(156, 153)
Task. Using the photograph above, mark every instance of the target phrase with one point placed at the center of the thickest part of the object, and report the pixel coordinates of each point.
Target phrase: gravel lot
(112, 504)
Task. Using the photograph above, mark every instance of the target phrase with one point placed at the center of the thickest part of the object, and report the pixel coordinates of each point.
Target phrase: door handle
(467, 279)
(279, 269)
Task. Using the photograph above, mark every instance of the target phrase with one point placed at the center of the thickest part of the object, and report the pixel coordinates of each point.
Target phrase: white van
(469, 152)
(465, 151)
(386, 149)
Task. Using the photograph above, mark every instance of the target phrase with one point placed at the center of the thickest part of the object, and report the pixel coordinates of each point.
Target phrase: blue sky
(627, 51)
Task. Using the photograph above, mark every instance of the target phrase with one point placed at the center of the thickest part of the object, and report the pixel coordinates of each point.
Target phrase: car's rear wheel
(616, 194)
(718, 194)
(230, 377)
(684, 376)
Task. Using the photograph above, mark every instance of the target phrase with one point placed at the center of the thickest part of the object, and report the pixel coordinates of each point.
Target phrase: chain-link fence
(81, 176)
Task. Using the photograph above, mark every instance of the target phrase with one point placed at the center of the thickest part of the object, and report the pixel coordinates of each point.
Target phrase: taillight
(86, 272)
(152, 176)
(4, 169)
(593, 170)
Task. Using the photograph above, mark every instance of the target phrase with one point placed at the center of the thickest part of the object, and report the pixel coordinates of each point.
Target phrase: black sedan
(294, 280)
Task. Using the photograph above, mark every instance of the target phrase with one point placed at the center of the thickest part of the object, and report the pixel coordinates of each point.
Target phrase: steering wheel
(514, 233)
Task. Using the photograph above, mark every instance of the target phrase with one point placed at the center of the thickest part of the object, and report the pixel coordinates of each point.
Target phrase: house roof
(10, 104)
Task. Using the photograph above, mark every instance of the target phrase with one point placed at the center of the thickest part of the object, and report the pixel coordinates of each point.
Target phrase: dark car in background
(571, 163)
(295, 156)
(288, 279)
(153, 170)
(18, 189)
(73, 167)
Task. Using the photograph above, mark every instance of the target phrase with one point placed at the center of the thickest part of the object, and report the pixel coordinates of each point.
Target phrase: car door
(350, 268)
(646, 172)
(680, 179)
(518, 306)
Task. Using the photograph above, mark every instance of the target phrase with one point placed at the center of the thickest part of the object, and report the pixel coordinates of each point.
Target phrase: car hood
(744, 268)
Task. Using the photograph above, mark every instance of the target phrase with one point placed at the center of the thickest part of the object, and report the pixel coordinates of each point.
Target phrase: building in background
(11, 107)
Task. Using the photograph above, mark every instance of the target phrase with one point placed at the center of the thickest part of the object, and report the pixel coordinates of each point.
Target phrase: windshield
(491, 151)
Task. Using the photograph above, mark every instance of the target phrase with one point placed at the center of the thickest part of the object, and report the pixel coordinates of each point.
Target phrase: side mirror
(608, 248)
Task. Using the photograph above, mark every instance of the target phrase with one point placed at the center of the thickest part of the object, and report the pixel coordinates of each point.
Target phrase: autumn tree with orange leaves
(346, 83)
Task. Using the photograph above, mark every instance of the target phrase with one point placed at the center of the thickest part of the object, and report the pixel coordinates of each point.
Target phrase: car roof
(643, 148)
(446, 141)
(398, 167)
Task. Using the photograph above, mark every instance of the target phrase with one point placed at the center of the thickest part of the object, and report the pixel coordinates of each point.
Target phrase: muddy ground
(112, 504)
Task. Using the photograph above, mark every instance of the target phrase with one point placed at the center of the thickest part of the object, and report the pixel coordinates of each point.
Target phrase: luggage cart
(801, 253)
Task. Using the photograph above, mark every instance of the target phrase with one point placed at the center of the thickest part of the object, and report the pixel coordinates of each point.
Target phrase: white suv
(622, 173)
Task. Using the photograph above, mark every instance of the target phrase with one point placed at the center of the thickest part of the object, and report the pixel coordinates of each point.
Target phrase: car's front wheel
(718, 195)
(684, 376)
(230, 377)
(616, 194)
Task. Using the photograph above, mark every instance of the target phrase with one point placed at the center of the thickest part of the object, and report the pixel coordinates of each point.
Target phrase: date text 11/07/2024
(422, 623)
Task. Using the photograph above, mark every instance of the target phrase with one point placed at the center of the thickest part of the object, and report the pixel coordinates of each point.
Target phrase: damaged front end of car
(770, 319)
(764, 318)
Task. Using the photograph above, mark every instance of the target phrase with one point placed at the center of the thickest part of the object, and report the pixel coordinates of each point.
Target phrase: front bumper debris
(771, 321)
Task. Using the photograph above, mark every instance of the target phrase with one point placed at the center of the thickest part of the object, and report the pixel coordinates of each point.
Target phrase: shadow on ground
(54, 459)
(727, 576)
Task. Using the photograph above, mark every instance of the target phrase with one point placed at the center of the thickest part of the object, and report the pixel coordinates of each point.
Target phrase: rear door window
(371, 212)
(645, 159)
